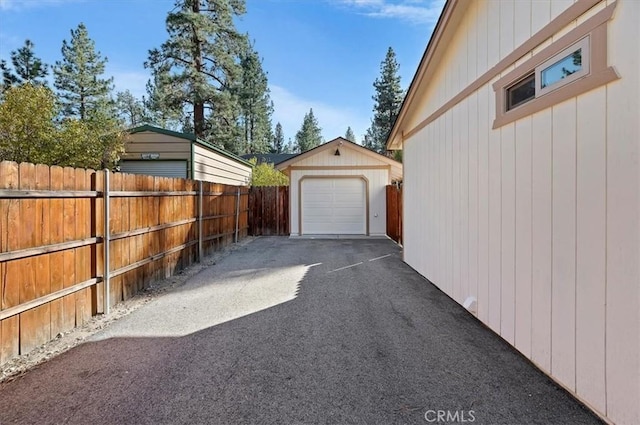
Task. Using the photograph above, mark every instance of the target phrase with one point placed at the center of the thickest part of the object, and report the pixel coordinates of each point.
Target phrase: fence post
(107, 231)
(237, 214)
(200, 198)
(277, 188)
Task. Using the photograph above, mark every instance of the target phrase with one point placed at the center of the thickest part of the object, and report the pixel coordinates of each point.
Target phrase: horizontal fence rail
(74, 242)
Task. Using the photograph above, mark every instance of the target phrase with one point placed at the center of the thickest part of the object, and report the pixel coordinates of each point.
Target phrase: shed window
(561, 69)
(571, 65)
(521, 92)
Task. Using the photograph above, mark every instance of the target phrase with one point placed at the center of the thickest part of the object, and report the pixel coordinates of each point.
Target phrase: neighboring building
(338, 188)
(521, 141)
(268, 158)
(159, 152)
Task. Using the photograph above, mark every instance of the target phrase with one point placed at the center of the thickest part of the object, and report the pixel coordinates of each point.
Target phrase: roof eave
(395, 140)
(285, 164)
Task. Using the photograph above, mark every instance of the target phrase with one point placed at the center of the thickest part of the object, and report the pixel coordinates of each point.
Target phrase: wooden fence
(269, 210)
(394, 213)
(52, 242)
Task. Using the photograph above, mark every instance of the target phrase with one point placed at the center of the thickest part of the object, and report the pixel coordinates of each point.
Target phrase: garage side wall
(537, 220)
(214, 167)
(377, 181)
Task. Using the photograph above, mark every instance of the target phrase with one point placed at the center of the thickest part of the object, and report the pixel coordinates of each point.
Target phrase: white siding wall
(378, 180)
(213, 167)
(539, 219)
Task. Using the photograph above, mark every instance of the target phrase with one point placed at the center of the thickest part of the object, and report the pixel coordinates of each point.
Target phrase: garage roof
(188, 136)
(396, 167)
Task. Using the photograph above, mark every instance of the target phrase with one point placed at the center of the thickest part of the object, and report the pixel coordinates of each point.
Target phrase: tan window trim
(599, 73)
(584, 46)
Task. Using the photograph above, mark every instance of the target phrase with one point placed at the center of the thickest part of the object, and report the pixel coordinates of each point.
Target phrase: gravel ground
(18, 366)
(294, 332)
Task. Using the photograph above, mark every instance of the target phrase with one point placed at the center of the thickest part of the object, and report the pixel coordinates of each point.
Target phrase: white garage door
(333, 206)
(155, 168)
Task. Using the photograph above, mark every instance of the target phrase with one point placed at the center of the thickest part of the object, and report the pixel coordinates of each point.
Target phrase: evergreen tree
(387, 101)
(82, 89)
(160, 112)
(198, 67)
(130, 110)
(255, 103)
(27, 67)
(8, 79)
(278, 140)
(310, 134)
(290, 148)
(349, 135)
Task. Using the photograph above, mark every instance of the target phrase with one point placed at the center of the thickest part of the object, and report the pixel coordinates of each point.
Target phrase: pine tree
(82, 89)
(277, 145)
(310, 134)
(387, 102)
(198, 66)
(130, 110)
(28, 67)
(255, 103)
(160, 112)
(349, 135)
(8, 79)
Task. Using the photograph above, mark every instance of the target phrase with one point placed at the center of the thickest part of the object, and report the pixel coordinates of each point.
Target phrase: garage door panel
(333, 206)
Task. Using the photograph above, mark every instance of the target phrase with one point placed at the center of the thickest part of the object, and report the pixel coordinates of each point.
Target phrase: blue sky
(320, 54)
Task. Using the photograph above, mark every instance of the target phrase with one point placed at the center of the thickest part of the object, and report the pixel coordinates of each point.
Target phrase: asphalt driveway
(294, 332)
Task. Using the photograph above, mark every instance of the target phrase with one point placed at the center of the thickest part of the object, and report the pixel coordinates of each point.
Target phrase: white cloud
(6, 5)
(413, 11)
(289, 110)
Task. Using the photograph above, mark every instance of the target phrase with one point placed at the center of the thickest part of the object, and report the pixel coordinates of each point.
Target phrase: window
(573, 64)
(563, 68)
(521, 92)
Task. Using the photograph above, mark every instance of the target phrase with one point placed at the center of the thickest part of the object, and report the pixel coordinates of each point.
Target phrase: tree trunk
(198, 104)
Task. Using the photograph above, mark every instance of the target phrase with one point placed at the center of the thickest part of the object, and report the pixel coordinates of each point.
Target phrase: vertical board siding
(540, 219)
(523, 236)
(591, 247)
(507, 248)
(483, 204)
(464, 203)
(623, 220)
(495, 231)
(564, 243)
(36, 222)
(541, 223)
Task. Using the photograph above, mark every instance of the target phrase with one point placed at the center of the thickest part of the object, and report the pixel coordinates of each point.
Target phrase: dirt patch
(18, 366)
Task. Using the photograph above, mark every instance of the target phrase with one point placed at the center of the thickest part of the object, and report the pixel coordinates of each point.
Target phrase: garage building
(521, 143)
(338, 188)
(159, 152)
